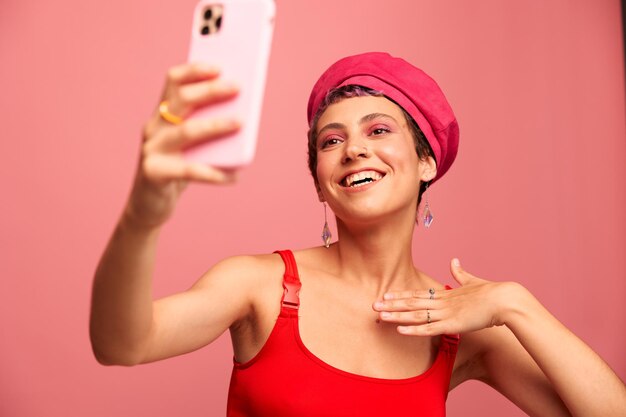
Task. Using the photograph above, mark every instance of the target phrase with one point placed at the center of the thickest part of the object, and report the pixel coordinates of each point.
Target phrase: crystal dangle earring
(427, 215)
(326, 235)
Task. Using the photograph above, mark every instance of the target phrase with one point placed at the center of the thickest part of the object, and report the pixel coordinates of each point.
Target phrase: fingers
(163, 171)
(416, 311)
(408, 317)
(192, 96)
(191, 72)
(432, 329)
(183, 100)
(188, 87)
(164, 167)
(162, 154)
(476, 305)
(190, 133)
(459, 274)
(191, 86)
(428, 322)
(429, 294)
(406, 304)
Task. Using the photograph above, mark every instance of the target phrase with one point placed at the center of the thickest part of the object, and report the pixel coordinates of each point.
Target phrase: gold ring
(427, 316)
(165, 114)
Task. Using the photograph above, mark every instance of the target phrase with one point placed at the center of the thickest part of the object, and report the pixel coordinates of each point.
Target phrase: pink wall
(538, 193)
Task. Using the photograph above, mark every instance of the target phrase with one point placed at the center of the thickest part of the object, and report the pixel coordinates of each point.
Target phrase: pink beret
(408, 86)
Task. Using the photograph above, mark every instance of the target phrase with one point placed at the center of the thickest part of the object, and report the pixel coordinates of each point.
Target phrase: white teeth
(360, 176)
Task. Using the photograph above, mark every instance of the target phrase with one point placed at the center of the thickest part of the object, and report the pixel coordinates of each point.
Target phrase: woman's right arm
(126, 326)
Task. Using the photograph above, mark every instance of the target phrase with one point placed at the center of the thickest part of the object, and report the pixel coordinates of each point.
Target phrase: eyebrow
(364, 119)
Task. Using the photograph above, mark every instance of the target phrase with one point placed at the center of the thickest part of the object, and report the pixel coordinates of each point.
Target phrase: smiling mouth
(361, 178)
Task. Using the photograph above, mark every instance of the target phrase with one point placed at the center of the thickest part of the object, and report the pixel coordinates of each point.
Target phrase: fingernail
(206, 68)
(388, 296)
(385, 314)
(378, 304)
(211, 69)
(231, 124)
(229, 86)
(456, 262)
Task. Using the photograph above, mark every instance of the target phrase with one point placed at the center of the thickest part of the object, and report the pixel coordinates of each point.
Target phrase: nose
(354, 150)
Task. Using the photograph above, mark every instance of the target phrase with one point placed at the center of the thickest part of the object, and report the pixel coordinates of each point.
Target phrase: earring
(326, 235)
(427, 215)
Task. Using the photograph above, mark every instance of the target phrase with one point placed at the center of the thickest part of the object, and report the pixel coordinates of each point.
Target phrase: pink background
(538, 193)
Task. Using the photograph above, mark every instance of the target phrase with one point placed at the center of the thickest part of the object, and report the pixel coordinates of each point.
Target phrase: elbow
(103, 360)
(109, 359)
(108, 355)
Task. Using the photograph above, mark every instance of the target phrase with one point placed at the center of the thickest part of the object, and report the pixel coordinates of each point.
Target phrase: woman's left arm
(583, 381)
(585, 384)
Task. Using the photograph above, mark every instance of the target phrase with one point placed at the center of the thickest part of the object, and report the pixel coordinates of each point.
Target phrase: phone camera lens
(218, 22)
(208, 14)
(205, 30)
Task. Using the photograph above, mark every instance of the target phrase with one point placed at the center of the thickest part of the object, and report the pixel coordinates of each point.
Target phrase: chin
(363, 215)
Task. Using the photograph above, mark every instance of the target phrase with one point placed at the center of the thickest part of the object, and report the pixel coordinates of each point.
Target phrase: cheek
(403, 158)
(323, 168)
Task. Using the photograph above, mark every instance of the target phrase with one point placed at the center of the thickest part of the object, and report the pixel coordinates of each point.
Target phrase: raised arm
(126, 327)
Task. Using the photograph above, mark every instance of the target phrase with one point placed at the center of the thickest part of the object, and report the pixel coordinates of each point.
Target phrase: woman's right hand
(163, 172)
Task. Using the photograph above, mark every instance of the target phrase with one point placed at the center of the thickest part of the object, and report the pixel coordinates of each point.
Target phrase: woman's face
(366, 161)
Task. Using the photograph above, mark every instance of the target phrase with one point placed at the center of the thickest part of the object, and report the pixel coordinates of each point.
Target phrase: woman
(352, 328)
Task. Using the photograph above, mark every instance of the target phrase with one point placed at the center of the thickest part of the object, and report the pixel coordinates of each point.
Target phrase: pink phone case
(239, 43)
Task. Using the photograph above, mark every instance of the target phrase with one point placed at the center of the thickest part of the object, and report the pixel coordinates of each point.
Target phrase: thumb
(459, 273)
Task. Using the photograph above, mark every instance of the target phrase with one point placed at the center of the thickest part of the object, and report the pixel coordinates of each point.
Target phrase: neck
(377, 256)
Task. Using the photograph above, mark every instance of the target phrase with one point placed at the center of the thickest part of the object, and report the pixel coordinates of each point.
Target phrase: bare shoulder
(256, 282)
(253, 282)
(242, 267)
(315, 257)
(252, 278)
(246, 272)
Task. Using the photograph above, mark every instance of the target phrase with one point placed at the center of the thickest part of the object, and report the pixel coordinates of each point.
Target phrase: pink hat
(406, 85)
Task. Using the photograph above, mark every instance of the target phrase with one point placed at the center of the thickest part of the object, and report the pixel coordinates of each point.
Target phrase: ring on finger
(168, 116)
(428, 316)
(431, 291)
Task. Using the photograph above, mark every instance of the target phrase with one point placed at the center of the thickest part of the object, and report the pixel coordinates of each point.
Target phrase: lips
(361, 178)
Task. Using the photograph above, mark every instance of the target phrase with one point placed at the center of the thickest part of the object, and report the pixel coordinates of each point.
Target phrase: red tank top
(286, 379)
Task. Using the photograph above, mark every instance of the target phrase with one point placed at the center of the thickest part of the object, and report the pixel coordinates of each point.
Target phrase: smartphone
(235, 35)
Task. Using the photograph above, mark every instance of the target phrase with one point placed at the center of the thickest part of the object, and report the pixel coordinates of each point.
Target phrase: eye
(379, 130)
(330, 141)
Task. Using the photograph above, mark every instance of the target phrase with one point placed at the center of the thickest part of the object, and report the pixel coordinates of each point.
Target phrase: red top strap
(291, 281)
